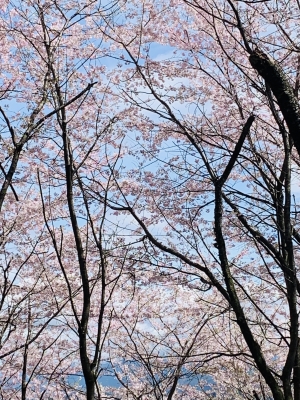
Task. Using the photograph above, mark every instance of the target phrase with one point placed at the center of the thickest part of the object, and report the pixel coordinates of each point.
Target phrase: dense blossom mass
(149, 199)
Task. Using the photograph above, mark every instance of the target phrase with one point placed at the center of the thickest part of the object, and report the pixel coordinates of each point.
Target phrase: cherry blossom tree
(149, 199)
(48, 237)
(216, 123)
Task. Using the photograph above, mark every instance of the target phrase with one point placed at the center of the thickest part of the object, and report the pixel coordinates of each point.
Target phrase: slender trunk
(254, 347)
(24, 372)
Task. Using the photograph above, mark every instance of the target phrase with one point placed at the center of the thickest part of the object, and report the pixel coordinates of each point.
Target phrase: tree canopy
(149, 199)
